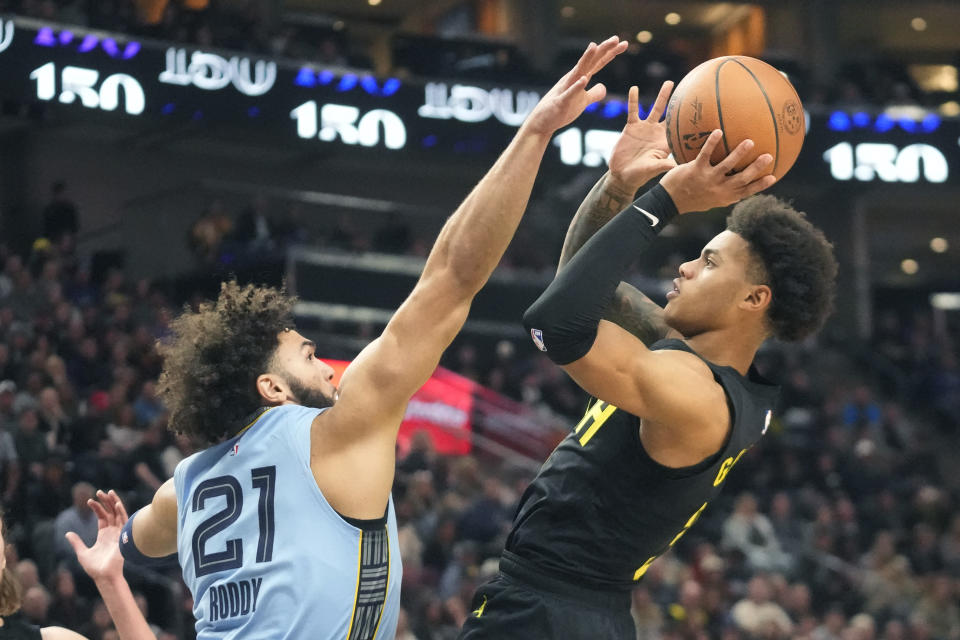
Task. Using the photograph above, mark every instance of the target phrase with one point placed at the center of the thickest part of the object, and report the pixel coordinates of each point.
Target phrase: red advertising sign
(442, 407)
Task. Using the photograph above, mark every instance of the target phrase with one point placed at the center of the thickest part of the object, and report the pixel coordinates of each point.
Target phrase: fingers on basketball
(735, 158)
(756, 169)
(703, 158)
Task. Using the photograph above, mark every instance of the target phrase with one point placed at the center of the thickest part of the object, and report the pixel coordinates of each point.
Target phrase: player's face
(309, 378)
(706, 294)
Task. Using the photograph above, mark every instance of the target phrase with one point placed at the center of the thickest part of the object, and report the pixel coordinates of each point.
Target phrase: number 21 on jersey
(205, 562)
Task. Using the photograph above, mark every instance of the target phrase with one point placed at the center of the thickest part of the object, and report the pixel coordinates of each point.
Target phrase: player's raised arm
(640, 154)
(376, 388)
(605, 360)
(104, 564)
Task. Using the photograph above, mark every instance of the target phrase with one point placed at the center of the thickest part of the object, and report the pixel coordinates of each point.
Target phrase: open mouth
(673, 293)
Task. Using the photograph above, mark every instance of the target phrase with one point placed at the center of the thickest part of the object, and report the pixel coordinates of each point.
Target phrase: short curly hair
(794, 258)
(212, 361)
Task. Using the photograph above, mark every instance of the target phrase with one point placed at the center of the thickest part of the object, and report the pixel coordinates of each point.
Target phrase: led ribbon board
(106, 75)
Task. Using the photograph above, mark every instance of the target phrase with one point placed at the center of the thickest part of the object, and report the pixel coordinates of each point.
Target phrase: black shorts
(522, 603)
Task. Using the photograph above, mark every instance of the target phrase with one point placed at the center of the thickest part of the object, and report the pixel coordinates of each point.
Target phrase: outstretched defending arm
(359, 432)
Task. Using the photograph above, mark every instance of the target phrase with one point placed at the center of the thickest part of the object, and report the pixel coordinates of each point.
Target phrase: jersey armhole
(372, 524)
(706, 463)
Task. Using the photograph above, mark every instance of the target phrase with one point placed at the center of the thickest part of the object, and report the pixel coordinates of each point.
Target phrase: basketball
(745, 98)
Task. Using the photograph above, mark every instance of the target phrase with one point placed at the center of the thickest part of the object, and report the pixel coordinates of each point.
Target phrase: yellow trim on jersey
(479, 612)
(386, 530)
(599, 412)
(241, 432)
(356, 592)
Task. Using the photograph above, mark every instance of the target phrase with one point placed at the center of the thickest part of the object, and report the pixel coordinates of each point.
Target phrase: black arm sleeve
(563, 321)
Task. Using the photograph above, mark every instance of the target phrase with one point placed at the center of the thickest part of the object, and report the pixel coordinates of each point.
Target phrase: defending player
(669, 421)
(284, 525)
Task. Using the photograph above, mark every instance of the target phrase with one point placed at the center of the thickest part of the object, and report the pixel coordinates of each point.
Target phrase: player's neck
(730, 347)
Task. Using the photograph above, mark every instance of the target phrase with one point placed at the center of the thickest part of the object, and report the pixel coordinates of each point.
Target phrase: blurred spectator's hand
(103, 561)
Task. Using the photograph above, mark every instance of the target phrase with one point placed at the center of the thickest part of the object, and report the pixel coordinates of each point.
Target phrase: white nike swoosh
(654, 220)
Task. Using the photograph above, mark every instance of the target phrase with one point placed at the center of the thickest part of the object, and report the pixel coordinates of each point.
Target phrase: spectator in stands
(787, 528)
(253, 231)
(78, 518)
(887, 581)
(27, 574)
(950, 547)
(757, 614)
(55, 424)
(751, 533)
(646, 615)
(60, 216)
(36, 605)
(208, 232)
(31, 445)
(69, 609)
(938, 608)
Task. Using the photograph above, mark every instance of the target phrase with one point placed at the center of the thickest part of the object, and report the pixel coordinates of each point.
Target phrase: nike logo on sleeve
(654, 220)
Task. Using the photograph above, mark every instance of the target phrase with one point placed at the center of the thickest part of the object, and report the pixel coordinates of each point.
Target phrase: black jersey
(15, 627)
(600, 510)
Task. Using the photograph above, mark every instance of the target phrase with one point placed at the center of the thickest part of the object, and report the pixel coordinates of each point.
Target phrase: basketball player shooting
(677, 401)
(284, 526)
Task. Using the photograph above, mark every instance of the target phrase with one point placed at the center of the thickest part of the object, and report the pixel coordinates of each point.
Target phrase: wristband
(130, 552)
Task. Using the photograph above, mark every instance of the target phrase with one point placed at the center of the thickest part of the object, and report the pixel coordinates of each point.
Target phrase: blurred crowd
(262, 229)
(839, 526)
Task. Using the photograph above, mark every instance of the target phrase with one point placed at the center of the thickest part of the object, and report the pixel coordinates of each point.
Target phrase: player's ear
(758, 298)
(272, 388)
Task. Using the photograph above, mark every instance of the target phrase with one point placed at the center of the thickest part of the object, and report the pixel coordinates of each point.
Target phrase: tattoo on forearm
(638, 314)
(629, 309)
(597, 209)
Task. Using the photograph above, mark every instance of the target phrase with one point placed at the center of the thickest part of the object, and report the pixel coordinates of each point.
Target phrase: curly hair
(211, 364)
(791, 256)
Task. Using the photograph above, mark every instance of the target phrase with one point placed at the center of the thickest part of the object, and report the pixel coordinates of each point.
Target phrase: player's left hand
(570, 96)
(103, 561)
(641, 152)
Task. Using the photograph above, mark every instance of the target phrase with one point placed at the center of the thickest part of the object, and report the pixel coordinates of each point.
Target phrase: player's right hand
(699, 186)
(570, 96)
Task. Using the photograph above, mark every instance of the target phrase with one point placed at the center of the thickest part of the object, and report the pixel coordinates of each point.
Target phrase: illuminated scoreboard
(125, 78)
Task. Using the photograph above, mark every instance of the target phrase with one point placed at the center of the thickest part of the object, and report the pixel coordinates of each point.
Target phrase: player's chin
(676, 321)
(671, 313)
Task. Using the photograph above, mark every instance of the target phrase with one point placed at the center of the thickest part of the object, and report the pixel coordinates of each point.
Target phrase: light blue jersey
(266, 556)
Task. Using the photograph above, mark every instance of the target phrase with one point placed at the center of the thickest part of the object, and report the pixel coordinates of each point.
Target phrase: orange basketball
(746, 98)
